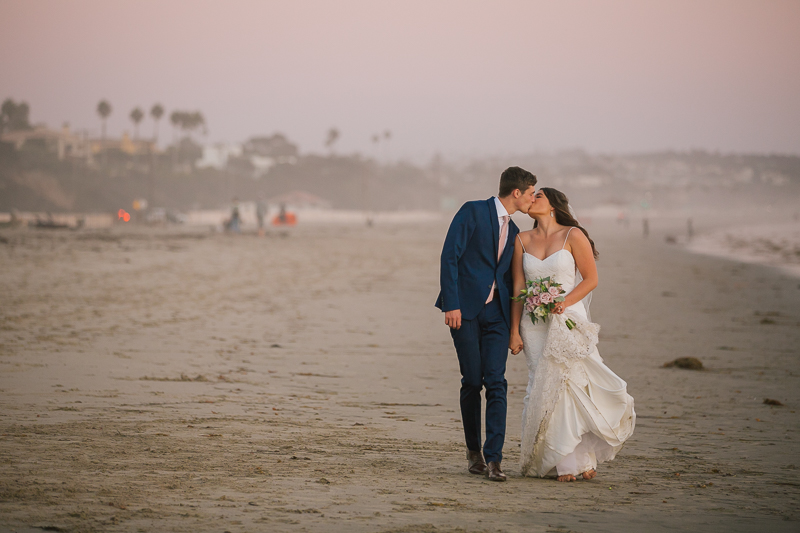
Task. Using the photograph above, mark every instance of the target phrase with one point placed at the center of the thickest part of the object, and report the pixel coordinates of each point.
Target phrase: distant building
(64, 143)
(68, 144)
(125, 145)
(218, 155)
(264, 152)
(254, 158)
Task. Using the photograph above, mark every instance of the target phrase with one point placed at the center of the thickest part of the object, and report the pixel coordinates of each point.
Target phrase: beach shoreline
(776, 245)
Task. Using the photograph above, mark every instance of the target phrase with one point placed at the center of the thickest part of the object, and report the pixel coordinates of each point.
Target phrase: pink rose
(554, 291)
(536, 300)
(546, 298)
(536, 290)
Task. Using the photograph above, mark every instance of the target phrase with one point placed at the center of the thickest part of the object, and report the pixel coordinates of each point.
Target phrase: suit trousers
(482, 348)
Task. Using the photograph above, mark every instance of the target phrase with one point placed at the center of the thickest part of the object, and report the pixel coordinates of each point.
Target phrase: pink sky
(457, 77)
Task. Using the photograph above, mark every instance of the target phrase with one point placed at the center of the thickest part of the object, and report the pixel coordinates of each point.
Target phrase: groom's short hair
(514, 178)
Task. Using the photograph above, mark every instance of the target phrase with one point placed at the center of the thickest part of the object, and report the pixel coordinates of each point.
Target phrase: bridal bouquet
(540, 296)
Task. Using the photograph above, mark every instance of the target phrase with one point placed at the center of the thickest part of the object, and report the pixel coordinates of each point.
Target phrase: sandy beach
(178, 379)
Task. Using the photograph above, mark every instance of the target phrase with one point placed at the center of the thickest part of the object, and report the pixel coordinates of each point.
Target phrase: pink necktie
(500, 246)
(503, 236)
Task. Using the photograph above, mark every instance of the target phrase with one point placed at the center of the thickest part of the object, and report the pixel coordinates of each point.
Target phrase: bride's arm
(518, 282)
(581, 250)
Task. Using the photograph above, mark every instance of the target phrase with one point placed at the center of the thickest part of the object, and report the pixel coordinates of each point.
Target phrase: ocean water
(776, 244)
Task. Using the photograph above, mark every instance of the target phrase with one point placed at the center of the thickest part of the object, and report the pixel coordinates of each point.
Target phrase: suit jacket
(469, 262)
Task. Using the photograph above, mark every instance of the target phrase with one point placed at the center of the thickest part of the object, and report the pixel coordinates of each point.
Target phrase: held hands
(515, 343)
(453, 318)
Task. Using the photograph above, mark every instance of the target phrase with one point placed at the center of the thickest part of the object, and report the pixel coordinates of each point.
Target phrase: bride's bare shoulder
(526, 236)
(576, 237)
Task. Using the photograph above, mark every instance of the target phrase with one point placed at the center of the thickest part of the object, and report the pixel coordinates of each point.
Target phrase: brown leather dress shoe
(494, 472)
(476, 463)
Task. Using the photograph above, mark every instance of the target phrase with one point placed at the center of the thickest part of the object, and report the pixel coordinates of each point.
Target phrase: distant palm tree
(157, 111)
(14, 116)
(376, 139)
(176, 118)
(387, 136)
(104, 110)
(193, 121)
(333, 136)
(136, 117)
(186, 121)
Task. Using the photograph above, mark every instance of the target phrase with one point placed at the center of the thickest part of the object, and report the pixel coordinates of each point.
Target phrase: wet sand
(178, 380)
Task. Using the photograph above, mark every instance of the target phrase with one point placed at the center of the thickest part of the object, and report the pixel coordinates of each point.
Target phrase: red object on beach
(287, 220)
(124, 215)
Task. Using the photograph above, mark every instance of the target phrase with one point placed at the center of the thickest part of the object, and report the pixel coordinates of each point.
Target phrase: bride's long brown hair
(560, 204)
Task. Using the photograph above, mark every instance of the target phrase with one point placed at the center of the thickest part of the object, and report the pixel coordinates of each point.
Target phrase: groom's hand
(453, 318)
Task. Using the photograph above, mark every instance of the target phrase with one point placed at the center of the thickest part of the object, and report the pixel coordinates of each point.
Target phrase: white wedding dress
(577, 412)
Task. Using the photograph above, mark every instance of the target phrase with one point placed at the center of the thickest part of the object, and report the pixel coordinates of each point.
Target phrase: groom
(475, 279)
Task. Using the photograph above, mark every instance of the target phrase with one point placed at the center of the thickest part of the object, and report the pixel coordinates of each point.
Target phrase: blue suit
(469, 266)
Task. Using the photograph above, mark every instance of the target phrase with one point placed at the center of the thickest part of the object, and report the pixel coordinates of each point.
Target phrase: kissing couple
(576, 412)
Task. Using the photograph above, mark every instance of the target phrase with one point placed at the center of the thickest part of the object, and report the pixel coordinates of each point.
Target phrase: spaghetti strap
(567, 237)
(520, 242)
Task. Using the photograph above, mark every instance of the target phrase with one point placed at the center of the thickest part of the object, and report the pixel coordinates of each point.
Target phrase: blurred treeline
(33, 179)
(61, 170)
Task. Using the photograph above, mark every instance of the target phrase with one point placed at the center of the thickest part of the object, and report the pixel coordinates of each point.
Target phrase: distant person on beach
(577, 412)
(284, 218)
(233, 224)
(261, 213)
(475, 298)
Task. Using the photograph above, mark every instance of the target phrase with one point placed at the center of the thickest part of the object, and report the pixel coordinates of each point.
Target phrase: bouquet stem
(570, 323)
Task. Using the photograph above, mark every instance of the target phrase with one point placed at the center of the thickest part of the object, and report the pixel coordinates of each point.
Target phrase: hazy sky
(458, 77)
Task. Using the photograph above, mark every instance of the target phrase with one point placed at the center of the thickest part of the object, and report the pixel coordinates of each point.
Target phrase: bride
(577, 412)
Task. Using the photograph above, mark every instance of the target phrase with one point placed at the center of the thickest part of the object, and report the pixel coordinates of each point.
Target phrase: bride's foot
(589, 474)
(568, 477)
